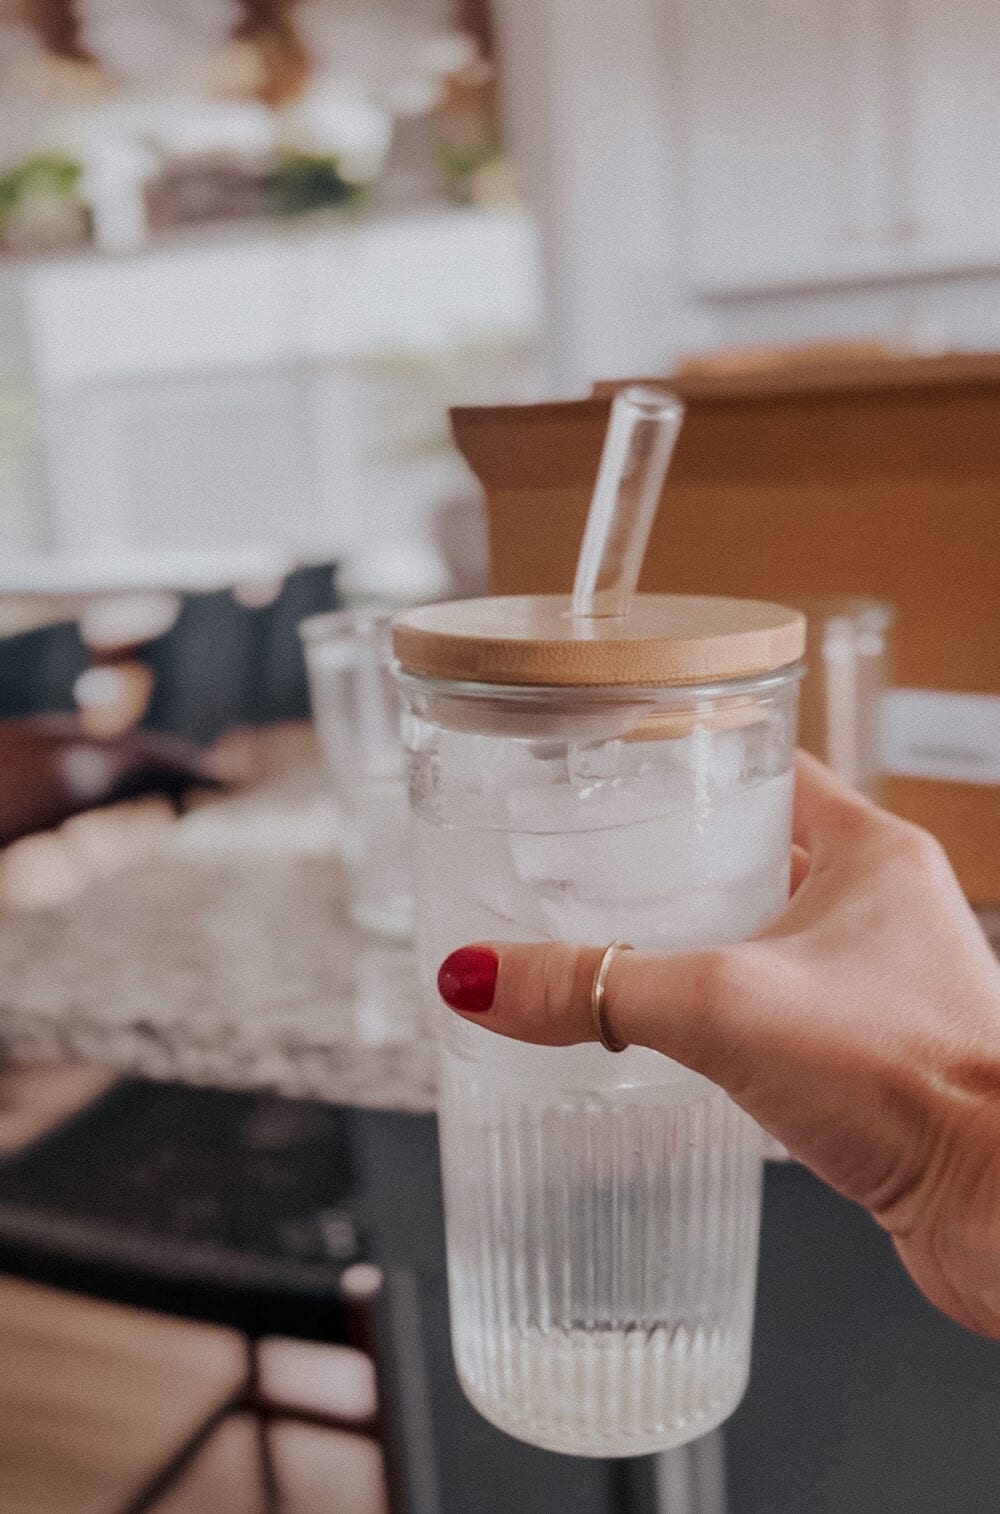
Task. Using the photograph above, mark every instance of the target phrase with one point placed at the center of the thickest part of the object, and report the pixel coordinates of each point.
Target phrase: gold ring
(598, 992)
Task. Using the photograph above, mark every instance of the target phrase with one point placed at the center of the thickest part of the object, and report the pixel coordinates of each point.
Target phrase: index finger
(824, 803)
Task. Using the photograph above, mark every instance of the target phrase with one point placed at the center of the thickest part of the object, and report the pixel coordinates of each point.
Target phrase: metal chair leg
(262, 1428)
(163, 1480)
(692, 1479)
(268, 1471)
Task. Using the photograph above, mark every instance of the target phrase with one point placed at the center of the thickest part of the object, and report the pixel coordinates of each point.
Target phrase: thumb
(696, 1008)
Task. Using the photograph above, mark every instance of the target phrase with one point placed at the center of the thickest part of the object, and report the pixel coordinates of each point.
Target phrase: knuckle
(853, 818)
(717, 980)
(558, 966)
(722, 979)
(737, 985)
(917, 850)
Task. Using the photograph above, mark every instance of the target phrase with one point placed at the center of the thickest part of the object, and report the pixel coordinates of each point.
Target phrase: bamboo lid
(533, 640)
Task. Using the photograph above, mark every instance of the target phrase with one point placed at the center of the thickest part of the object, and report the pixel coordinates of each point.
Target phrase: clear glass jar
(355, 705)
(849, 657)
(602, 1210)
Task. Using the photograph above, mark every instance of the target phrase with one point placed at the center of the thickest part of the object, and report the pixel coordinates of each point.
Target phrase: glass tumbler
(356, 707)
(848, 660)
(602, 1209)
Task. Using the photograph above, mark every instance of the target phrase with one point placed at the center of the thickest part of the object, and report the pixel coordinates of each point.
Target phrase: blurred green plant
(458, 167)
(464, 143)
(306, 181)
(46, 176)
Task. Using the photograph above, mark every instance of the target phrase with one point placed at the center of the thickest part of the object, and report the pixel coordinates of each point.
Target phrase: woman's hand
(862, 1030)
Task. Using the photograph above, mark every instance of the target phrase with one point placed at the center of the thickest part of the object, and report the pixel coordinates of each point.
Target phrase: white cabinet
(214, 392)
(709, 172)
(755, 123)
(826, 143)
(954, 48)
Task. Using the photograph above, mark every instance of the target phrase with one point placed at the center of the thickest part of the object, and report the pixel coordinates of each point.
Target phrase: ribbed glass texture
(602, 1257)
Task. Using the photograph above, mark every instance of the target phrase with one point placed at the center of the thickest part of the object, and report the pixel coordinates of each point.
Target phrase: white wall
(587, 114)
(707, 171)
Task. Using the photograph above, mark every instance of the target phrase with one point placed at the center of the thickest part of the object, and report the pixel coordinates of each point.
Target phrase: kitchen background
(251, 251)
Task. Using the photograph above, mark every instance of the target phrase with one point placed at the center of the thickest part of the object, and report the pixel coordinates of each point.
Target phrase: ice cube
(480, 762)
(746, 833)
(467, 890)
(716, 759)
(648, 849)
(695, 919)
(594, 922)
(621, 838)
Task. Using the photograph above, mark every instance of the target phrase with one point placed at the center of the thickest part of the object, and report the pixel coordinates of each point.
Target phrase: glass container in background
(582, 780)
(356, 708)
(848, 670)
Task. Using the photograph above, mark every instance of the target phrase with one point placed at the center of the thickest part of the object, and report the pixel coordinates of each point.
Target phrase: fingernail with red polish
(467, 979)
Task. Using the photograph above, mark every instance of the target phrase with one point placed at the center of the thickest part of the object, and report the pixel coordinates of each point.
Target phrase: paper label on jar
(952, 737)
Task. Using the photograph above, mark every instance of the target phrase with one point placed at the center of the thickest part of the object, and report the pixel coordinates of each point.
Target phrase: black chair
(225, 1208)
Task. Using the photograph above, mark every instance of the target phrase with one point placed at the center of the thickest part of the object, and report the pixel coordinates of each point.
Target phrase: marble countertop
(226, 959)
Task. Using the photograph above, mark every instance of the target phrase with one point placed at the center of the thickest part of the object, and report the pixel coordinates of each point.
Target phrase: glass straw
(641, 435)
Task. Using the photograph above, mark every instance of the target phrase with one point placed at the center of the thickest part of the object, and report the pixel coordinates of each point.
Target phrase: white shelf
(82, 574)
(215, 393)
(315, 292)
